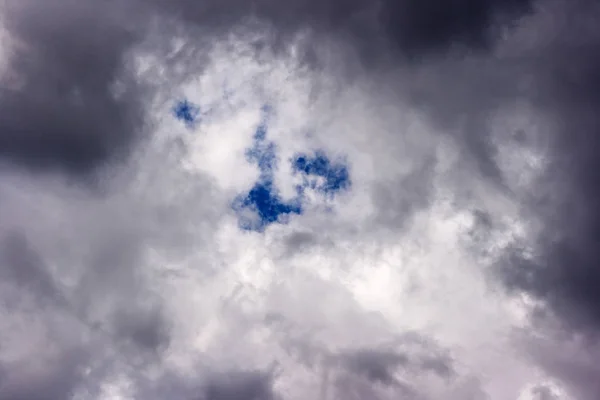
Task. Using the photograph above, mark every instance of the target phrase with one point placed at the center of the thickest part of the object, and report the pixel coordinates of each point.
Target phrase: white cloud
(305, 297)
(351, 278)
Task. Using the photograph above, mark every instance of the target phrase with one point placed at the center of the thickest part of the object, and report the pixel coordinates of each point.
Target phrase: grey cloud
(435, 25)
(376, 366)
(381, 365)
(402, 366)
(72, 105)
(377, 363)
(43, 379)
(407, 27)
(239, 385)
(550, 64)
(400, 199)
(81, 257)
(148, 330)
(563, 271)
(567, 359)
(469, 389)
(410, 353)
(22, 265)
(543, 393)
(69, 101)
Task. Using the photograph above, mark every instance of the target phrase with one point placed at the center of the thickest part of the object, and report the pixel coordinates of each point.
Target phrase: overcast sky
(299, 199)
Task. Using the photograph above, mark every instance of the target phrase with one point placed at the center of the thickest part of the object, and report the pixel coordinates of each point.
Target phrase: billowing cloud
(408, 28)
(264, 200)
(69, 101)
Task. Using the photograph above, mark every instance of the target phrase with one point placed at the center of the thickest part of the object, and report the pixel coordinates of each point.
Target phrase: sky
(300, 199)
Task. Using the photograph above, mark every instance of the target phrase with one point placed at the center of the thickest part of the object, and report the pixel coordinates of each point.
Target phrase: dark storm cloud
(407, 27)
(239, 385)
(68, 101)
(418, 26)
(564, 271)
(558, 72)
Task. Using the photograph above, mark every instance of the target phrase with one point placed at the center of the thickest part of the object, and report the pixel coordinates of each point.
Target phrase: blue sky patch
(262, 205)
(263, 201)
(186, 112)
(336, 176)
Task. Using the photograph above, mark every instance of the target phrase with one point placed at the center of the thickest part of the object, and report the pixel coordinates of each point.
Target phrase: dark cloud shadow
(70, 101)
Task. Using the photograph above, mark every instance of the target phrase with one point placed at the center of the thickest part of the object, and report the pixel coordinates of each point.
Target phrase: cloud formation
(69, 101)
(412, 216)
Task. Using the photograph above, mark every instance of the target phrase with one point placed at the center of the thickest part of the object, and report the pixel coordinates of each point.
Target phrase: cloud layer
(233, 200)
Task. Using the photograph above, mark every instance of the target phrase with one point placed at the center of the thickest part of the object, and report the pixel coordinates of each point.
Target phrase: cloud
(239, 385)
(69, 100)
(46, 379)
(382, 365)
(424, 167)
(407, 27)
(263, 204)
(421, 27)
(558, 267)
(26, 269)
(79, 312)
